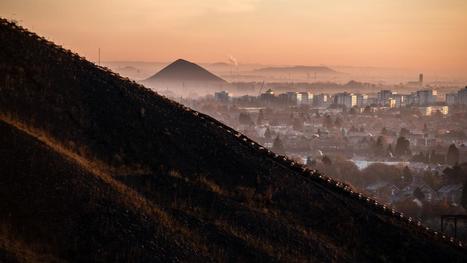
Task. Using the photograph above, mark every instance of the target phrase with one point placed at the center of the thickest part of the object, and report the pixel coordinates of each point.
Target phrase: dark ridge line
(302, 170)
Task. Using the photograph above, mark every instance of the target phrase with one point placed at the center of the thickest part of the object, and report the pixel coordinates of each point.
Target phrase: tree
(436, 158)
(244, 118)
(406, 176)
(326, 160)
(379, 146)
(260, 117)
(420, 157)
(464, 196)
(267, 134)
(402, 146)
(452, 156)
(290, 119)
(417, 193)
(328, 122)
(455, 174)
(380, 172)
(278, 146)
(404, 132)
(338, 122)
(384, 131)
(367, 110)
(298, 124)
(433, 180)
(425, 128)
(432, 156)
(310, 162)
(389, 151)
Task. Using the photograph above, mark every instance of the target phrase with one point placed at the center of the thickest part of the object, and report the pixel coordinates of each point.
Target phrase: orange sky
(416, 34)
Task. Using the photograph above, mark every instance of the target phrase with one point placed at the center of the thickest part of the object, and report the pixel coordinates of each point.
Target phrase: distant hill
(97, 168)
(220, 64)
(184, 71)
(128, 68)
(296, 69)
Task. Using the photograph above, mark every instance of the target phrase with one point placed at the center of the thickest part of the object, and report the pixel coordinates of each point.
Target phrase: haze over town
(422, 36)
(188, 101)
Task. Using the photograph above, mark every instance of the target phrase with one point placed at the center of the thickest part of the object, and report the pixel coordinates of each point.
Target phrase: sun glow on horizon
(425, 35)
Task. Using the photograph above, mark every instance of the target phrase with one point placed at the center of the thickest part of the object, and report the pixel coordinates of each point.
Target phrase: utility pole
(99, 56)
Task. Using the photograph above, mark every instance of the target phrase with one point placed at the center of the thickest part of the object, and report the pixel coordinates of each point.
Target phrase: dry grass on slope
(129, 197)
(14, 250)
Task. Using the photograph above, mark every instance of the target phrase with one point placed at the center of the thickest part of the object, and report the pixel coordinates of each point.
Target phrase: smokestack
(233, 60)
(234, 63)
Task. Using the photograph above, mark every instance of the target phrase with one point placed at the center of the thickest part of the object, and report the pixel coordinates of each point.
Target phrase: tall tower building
(420, 79)
(462, 96)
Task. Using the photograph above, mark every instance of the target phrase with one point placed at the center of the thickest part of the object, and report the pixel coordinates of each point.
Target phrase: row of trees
(402, 147)
(452, 156)
(347, 171)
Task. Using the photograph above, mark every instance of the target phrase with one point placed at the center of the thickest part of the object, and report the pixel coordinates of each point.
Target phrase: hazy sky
(416, 34)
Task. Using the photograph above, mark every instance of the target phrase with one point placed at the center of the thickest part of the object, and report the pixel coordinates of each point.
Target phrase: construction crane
(261, 89)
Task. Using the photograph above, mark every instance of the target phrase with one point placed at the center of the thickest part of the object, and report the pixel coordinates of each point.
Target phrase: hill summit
(97, 168)
(185, 71)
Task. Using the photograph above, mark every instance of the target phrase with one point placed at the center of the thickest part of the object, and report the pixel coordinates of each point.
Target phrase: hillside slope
(98, 168)
(55, 203)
